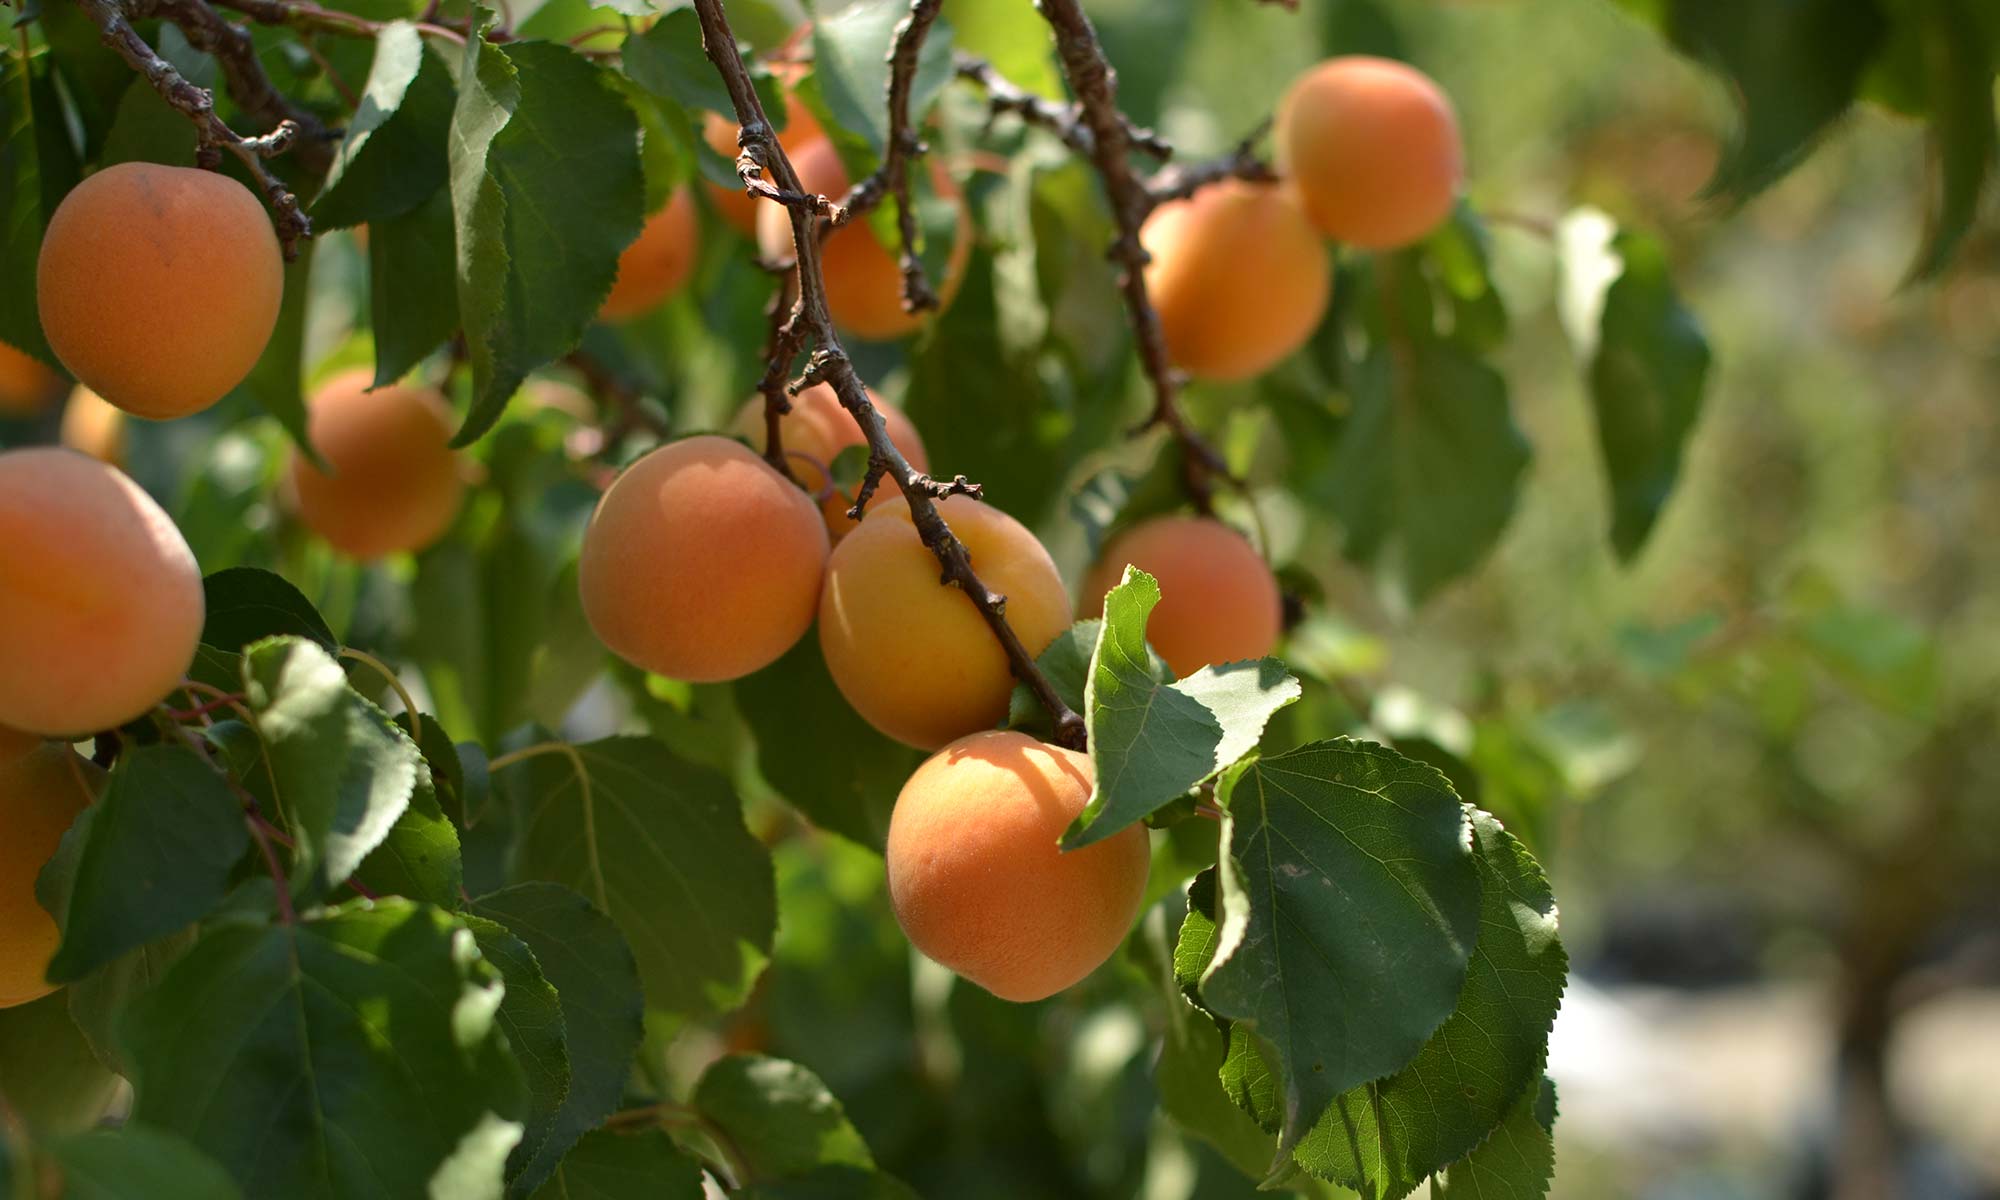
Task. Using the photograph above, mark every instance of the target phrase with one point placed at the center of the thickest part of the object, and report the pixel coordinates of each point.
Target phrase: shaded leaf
(412, 285)
(1516, 1163)
(394, 156)
(531, 1019)
(624, 1166)
(779, 1117)
(136, 1163)
(246, 605)
(851, 65)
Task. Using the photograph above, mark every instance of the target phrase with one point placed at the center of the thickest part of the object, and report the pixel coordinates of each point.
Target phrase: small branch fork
(767, 172)
(893, 176)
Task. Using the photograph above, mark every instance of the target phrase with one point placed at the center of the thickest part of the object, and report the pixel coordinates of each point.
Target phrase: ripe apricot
(100, 597)
(701, 562)
(737, 206)
(1374, 148)
(864, 284)
(1238, 276)
(26, 386)
(159, 286)
(395, 482)
(816, 431)
(90, 426)
(976, 878)
(657, 263)
(43, 785)
(915, 658)
(1219, 602)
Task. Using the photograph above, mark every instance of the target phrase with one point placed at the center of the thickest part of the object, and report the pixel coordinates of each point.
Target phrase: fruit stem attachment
(248, 85)
(767, 172)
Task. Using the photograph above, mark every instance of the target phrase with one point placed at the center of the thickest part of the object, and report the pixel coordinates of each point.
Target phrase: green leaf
(275, 384)
(1350, 904)
(836, 1182)
(1429, 465)
(36, 170)
(546, 193)
(136, 1163)
(97, 1002)
(419, 859)
(624, 1166)
(51, 1078)
(412, 286)
(393, 157)
(851, 63)
(1153, 741)
(816, 750)
(1385, 1137)
(583, 955)
(247, 605)
(531, 1018)
(778, 1116)
(1066, 663)
(340, 771)
(1015, 39)
(155, 856)
(668, 61)
(1516, 1163)
(661, 847)
(1646, 386)
(1795, 67)
(1958, 73)
(345, 1055)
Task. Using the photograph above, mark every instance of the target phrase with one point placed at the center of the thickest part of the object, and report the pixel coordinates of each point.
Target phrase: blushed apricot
(737, 206)
(657, 263)
(100, 597)
(1219, 602)
(1374, 148)
(864, 285)
(395, 482)
(816, 431)
(976, 878)
(90, 426)
(43, 785)
(26, 385)
(915, 658)
(1238, 276)
(159, 286)
(701, 562)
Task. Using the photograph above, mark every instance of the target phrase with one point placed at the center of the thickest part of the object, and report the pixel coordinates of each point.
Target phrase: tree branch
(761, 156)
(205, 30)
(1183, 180)
(781, 347)
(893, 176)
(1063, 120)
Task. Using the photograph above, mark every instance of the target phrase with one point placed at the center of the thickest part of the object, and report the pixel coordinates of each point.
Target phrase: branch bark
(767, 172)
(892, 178)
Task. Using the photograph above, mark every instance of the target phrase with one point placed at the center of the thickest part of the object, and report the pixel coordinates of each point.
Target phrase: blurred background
(1760, 760)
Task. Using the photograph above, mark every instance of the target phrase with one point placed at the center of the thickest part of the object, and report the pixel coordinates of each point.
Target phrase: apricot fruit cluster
(1219, 602)
(101, 601)
(158, 287)
(43, 786)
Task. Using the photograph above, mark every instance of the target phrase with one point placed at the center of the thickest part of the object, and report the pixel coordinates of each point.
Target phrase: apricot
(1239, 278)
(701, 562)
(395, 482)
(159, 286)
(100, 597)
(1219, 601)
(657, 263)
(915, 658)
(90, 426)
(26, 386)
(816, 431)
(1374, 148)
(976, 878)
(737, 206)
(864, 284)
(43, 785)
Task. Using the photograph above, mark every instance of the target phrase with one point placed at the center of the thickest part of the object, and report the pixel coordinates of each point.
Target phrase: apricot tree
(568, 780)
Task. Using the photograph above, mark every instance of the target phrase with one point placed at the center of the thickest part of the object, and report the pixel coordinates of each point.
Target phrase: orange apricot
(976, 878)
(1219, 602)
(1374, 148)
(864, 284)
(26, 385)
(43, 785)
(90, 426)
(395, 482)
(737, 206)
(657, 263)
(915, 658)
(1238, 276)
(816, 431)
(701, 562)
(159, 286)
(100, 598)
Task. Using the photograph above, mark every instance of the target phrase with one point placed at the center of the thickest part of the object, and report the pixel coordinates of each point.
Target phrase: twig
(615, 395)
(309, 17)
(780, 348)
(761, 155)
(1180, 181)
(1063, 120)
(892, 178)
(212, 135)
(242, 75)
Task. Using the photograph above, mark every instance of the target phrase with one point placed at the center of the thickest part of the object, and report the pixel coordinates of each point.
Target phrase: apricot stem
(767, 172)
(396, 685)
